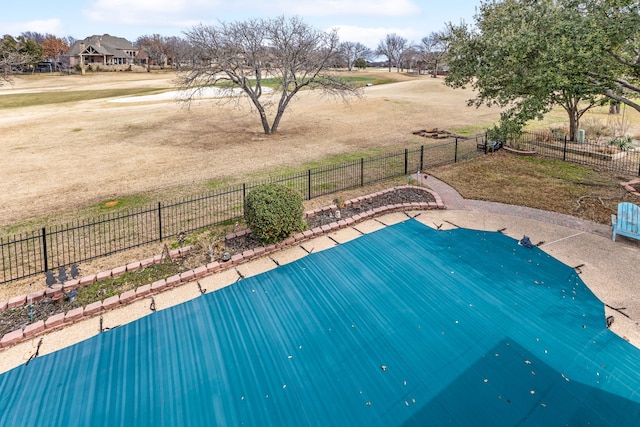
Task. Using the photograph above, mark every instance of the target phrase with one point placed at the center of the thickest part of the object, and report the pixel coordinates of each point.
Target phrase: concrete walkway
(453, 200)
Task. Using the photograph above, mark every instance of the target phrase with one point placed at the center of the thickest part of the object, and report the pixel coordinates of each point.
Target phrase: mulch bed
(403, 195)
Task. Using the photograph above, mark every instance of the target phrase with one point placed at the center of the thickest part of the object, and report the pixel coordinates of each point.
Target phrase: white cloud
(365, 17)
(42, 26)
(348, 7)
(168, 12)
(148, 12)
(370, 36)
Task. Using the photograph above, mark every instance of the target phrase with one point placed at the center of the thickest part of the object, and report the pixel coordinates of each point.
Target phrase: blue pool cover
(407, 326)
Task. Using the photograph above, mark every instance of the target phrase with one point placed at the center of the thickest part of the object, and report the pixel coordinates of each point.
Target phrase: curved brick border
(520, 152)
(629, 186)
(60, 320)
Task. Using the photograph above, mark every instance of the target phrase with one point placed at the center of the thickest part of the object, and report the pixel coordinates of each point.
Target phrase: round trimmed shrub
(273, 212)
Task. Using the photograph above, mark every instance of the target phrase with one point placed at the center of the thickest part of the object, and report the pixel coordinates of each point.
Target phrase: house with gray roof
(104, 50)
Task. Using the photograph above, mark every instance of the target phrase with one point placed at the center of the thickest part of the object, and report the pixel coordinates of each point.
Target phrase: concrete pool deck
(611, 270)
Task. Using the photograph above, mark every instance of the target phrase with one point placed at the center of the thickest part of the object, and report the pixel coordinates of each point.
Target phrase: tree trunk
(276, 120)
(574, 122)
(265, 121)
(282, 107)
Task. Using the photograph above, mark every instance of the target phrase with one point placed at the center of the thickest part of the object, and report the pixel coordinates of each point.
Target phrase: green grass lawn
(19, 100)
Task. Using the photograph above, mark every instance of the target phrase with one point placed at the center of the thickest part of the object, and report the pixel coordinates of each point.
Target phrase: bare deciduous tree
(155, 48)
(409, 58)
(15, 56)
(434, 49)
(351, 52)
(179, 50)
(10, 62)
(392, 47)
(287, 51)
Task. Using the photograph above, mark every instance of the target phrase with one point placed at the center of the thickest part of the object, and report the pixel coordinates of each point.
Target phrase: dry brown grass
(65, 157)
(539, 183)
(60, 159)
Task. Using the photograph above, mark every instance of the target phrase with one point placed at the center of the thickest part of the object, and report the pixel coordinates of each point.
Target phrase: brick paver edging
(60, 320)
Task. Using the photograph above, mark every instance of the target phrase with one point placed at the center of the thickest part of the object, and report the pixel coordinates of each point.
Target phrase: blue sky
(365, 21)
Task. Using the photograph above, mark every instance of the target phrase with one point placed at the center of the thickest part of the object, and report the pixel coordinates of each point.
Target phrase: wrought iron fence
(604, 155)
(33, 253)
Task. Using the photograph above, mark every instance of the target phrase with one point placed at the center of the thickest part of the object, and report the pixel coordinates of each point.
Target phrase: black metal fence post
(244, 196)
(564, 150)
(455, 154)
(44, 250)
(108, 233)
(406, 160)
(160, 220)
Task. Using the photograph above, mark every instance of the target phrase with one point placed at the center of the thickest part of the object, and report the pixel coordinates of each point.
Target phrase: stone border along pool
(61, 320)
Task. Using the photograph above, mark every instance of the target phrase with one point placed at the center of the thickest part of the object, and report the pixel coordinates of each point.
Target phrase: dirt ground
(64, 157)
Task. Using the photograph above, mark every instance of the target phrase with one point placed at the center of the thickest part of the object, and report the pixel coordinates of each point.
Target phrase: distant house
(104, 50)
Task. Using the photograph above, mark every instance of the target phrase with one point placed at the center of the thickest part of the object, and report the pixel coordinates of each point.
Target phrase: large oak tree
(617, 22)
(291, 54)
(528, 56)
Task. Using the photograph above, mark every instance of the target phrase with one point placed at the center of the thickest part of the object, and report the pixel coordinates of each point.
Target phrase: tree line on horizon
(22, 53)
(268, 60)
(524, 56)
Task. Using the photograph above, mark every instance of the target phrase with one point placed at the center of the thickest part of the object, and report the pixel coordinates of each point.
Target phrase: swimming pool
(404, 326)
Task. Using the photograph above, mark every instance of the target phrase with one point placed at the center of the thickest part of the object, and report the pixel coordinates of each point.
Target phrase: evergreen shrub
(273, 212)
